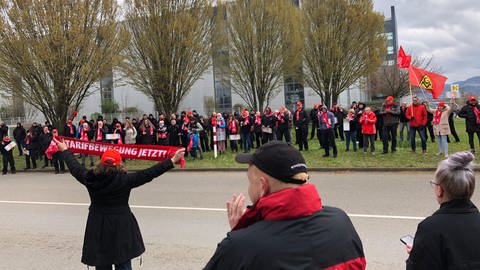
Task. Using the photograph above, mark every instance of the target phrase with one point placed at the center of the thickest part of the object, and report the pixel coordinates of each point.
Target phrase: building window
(390, 50)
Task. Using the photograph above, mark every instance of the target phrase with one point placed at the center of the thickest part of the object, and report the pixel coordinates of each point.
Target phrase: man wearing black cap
(286, 227)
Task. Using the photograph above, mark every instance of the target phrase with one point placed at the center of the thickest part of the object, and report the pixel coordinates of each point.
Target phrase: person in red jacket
(368, 121)
(417, 116)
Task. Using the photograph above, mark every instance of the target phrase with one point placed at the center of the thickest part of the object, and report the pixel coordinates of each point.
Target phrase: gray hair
(456, 175)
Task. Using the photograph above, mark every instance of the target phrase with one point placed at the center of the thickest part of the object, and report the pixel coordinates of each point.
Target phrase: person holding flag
(417, 115)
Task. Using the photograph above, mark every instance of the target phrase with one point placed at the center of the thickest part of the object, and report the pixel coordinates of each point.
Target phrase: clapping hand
(235, 209)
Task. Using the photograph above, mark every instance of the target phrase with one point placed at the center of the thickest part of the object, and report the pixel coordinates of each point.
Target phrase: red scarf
(247, 120)
(297, 114)
(233, 127)
(119, 138)
(27, 142)
(436, 117)
(83, 135)
(162, 132)
(288, 203)
(71, 129)
(387, 106)
(144, 132)
(220, 122)
(190, 143)
(99, 135)
(350, 116)
(258, 120)
(477, 114)
(280, 118)
(323, 116)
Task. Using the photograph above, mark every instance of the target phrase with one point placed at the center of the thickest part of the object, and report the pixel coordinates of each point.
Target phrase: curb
(321, 169)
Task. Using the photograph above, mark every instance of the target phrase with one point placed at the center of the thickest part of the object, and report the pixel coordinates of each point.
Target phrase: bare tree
(264, 44)
(52, 51)
(170, 47)
(343, 43)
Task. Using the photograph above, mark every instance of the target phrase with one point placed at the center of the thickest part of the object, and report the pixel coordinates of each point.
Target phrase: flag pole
(410, 85)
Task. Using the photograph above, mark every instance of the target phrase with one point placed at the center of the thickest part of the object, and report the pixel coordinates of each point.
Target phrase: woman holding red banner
(112, 235)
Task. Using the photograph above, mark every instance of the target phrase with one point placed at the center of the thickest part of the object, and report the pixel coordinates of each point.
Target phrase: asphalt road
(42, 216)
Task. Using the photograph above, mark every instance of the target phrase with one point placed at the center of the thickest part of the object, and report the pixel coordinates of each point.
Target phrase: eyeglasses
(433, 183)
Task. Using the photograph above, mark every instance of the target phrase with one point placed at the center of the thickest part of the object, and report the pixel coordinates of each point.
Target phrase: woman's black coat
(112, 234)
(449, 239)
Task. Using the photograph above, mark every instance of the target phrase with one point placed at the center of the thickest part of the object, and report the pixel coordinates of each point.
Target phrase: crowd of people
(358, 127)
(287, 227)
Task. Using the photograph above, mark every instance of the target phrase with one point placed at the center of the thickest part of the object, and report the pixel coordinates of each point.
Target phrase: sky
(447, 30)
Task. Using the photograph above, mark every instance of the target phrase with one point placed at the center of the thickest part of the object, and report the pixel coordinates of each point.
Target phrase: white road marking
(386, 216)
(196, 209)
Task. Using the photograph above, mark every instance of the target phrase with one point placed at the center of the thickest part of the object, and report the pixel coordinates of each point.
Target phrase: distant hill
(470, 86)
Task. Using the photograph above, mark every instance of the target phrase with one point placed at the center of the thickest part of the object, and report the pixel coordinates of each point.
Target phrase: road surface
(182, 217)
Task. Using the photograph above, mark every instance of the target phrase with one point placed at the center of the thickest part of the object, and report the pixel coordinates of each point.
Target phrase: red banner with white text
(130, 151)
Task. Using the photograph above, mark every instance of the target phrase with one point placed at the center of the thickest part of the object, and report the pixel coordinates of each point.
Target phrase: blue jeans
(246, 141)
(351, 136)
(121, 266)
(402, 126)
(421, 132)
(442, 144)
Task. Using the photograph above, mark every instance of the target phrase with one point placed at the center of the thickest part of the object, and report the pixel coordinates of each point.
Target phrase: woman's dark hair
(102, 169)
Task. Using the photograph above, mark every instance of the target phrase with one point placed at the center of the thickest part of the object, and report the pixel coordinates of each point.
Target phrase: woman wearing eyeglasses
(450, 238)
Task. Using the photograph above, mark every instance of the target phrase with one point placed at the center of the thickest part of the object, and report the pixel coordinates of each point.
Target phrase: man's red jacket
(419, 114)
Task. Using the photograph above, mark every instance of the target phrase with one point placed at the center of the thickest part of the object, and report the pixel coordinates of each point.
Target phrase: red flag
(432, 82)
(403, 60)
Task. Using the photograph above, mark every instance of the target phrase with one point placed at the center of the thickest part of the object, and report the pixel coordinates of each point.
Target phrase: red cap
(69, 121)
(299, 103)
(111, 157)
(390, 98)
(472, 98)
(441, 104)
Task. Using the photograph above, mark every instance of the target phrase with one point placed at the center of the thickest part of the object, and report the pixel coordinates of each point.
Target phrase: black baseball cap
(277, 159)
